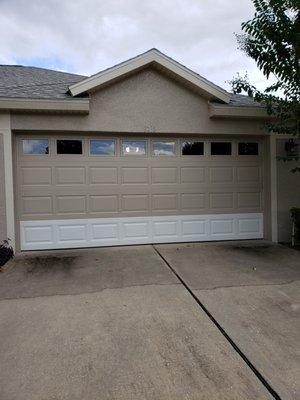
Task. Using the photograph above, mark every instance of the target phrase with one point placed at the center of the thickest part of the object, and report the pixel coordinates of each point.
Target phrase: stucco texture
(288, 187)
(147, 101)
(2, 193)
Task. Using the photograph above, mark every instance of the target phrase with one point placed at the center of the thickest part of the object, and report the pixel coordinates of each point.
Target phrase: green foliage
(272, 40)
(295, 216)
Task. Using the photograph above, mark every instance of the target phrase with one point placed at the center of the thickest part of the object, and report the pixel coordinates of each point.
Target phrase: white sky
(86, 36)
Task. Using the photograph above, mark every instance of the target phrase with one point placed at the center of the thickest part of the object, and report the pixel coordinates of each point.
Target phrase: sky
(86, 36)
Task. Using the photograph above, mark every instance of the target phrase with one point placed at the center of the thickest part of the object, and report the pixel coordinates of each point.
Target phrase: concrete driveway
(188, 321)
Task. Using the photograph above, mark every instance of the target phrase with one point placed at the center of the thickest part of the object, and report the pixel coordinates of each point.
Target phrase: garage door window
(248, 149)
(103, 147)
(69, 146)
(163, 148)
(35, 146)
(192, 148)
(220, 148)
(134, 147)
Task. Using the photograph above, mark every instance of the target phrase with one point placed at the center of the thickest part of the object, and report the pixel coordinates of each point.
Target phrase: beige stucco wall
(288, 192)
(2, 193)
(146, 101)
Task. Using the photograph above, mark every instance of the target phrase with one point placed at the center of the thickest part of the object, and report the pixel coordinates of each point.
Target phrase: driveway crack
(252, 285)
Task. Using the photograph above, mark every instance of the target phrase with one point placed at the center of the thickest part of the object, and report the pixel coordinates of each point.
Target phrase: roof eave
(142, 61)
(225, 111)
(47, 105)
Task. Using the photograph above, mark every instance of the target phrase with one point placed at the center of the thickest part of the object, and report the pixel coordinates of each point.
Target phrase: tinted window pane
(193, 148)
(69, 146)
(248, 149)
(134, 147)
(102, 147)
(163, 148)
(220, 148)
(36, 146)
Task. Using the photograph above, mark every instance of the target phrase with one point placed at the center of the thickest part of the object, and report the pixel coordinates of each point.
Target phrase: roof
(152, 57)
(241, 100)
(17, 81)
(32, 83)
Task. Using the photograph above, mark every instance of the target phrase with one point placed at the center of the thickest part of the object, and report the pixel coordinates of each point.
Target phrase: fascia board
(19, 104)
(237, 112)
(141, 61)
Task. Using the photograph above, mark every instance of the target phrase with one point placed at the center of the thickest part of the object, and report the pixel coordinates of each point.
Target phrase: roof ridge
(191, 70)
(165, 55)
(151, 57)
(122, 62)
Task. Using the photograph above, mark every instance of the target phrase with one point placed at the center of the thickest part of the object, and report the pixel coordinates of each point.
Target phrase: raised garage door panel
(57, 234)
(108, 192)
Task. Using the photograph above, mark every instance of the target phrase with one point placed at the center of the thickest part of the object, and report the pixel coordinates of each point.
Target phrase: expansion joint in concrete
(261, 378)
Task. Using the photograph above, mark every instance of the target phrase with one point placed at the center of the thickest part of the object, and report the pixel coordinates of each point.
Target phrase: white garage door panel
(57, 234)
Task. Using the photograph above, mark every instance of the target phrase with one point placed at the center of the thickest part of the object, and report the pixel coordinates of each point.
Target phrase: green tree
(272, 40)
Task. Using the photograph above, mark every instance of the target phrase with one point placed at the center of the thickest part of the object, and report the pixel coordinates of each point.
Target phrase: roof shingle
(17, 81)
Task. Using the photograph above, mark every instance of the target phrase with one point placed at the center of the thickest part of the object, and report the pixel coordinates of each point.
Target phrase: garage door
(84, 191)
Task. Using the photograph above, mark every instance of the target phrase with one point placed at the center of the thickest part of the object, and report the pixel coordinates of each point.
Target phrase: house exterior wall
(2, 193)
(288, 193)
(145, 102)
(150, 103)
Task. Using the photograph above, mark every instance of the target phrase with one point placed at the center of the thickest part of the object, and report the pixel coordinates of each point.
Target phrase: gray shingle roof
(18, 81)
(240, 100)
